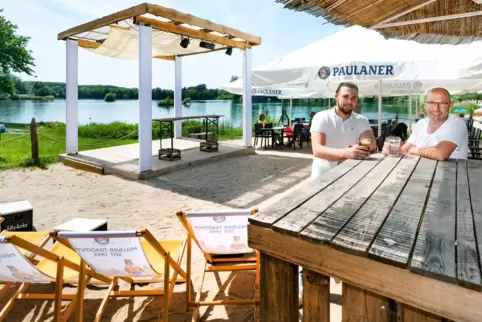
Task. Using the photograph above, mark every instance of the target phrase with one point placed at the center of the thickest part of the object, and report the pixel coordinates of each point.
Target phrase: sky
(282, 31)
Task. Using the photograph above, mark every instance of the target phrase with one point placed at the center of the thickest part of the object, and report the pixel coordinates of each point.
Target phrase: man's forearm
(430, 153)
(330, 154)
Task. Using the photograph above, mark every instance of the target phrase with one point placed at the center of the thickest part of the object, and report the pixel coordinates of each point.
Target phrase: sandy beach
(60, 193)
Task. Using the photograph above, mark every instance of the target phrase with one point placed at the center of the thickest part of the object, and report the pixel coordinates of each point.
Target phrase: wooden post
(361, 305)
(279, 290)
(34, 140)
(316, 297)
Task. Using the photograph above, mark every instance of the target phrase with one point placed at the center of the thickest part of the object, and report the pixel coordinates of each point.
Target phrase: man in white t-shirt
(335, 132)
(440, 136)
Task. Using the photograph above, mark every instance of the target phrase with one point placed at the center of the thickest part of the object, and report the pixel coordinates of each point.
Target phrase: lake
(127, 111)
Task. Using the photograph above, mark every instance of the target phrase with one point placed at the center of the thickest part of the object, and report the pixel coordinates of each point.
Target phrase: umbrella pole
(380, 108)
(291, 110)
(410, 112)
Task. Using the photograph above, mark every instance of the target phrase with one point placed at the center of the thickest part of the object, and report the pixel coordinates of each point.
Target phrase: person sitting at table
(261, 119)
(305, 134)
(335, 133)
(440, 136)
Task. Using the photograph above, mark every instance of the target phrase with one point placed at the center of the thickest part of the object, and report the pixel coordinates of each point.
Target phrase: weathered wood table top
(416, 214)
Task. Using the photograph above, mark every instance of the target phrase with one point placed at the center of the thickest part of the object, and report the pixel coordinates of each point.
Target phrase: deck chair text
(133, 256)
(222, 236)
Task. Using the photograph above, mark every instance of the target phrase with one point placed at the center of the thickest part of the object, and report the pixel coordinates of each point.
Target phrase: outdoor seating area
(276, 214)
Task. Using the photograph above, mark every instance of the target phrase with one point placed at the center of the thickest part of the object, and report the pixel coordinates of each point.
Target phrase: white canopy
(236, 87)
(366, 58)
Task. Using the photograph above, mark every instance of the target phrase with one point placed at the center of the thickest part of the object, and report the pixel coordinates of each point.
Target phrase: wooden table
(167, 124)
(403, 234)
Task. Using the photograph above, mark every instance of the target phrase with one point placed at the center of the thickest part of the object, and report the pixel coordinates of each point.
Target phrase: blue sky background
(282, 31)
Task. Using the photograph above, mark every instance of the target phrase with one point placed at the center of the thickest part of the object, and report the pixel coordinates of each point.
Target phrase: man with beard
(335, 133)
(440, 136)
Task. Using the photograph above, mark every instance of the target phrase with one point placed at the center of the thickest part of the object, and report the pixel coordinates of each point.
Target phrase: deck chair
(135, 257)
(222, 236)
(16, 266)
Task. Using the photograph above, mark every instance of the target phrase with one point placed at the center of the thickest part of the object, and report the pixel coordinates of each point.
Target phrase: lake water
(127, 111)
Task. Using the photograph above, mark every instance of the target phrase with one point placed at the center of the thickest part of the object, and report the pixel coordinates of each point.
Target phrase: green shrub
(110, 97)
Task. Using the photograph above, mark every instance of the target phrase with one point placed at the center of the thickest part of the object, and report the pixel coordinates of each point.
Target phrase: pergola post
(71, 94)
(247, 103)
(145, 98)
(178, 95)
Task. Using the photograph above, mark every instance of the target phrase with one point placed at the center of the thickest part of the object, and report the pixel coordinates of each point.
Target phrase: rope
(103, 143)
(19, 137)
(93, 144)
(47, 137)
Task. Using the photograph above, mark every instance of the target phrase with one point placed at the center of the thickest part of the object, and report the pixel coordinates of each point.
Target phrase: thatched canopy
(116, 35)
(425, 21)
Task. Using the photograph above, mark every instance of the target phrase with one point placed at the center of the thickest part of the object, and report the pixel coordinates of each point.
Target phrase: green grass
(51, 139)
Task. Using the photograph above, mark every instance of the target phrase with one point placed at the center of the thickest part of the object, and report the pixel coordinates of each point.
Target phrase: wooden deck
(403, 234)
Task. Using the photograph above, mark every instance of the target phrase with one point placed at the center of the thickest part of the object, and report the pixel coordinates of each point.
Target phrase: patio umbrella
(379, 66)
(460, 110)
(478, 111)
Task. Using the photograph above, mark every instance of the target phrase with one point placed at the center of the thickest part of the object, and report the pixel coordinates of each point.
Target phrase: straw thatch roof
(425, 21)
(117, 35)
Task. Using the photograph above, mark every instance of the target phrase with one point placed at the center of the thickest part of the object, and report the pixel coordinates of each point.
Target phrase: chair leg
(79, 310)
(101, 310)
(195, 313)
(166, 288)
(188, 274)
(58, 290)
(12, 300)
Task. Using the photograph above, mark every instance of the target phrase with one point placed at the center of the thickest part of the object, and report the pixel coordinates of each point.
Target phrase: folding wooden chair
(133, 256)
(15, 266)
(222, 236)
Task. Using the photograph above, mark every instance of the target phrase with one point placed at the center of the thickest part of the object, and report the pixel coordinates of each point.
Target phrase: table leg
(316, 297)
(279, 290)
(361, 305)
(411, 314)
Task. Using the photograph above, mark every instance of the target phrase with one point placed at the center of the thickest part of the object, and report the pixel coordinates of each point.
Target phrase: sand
(59, 194)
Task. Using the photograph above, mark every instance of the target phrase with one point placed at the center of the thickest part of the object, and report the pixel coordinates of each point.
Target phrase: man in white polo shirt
(335, 132)
(440, 136)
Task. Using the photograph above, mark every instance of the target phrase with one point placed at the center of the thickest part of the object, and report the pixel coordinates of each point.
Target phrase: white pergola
(144, 32)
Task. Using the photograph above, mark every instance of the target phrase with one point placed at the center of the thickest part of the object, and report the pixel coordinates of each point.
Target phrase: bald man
(440, 136)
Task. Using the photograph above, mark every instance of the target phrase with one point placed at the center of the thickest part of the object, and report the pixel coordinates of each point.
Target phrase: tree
(14, 56)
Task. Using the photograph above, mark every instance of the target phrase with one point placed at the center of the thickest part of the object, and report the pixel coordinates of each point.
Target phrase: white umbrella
(379, 66)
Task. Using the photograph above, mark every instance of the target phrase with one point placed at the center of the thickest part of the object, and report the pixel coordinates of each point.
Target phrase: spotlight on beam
(207, 45)
(184, 42)
(229, 51)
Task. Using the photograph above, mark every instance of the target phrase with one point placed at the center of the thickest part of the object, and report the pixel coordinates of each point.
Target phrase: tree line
(57, 90)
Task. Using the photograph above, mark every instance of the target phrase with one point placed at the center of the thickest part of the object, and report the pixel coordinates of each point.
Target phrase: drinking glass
(394, 145)
(367, 143)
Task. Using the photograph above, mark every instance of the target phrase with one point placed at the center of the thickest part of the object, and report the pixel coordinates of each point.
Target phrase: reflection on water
(127, 111)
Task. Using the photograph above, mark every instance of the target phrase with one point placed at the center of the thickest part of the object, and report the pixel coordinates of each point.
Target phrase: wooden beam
(104, 21)
(432, 19)
(202, 23)
(405, 12)
(172, 57)
(88, 44)
(204, 52)
(184, 31)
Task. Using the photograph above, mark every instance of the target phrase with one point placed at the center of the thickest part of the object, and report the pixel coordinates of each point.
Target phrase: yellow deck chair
(15, 266)
(222, 236)
(133, 256)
